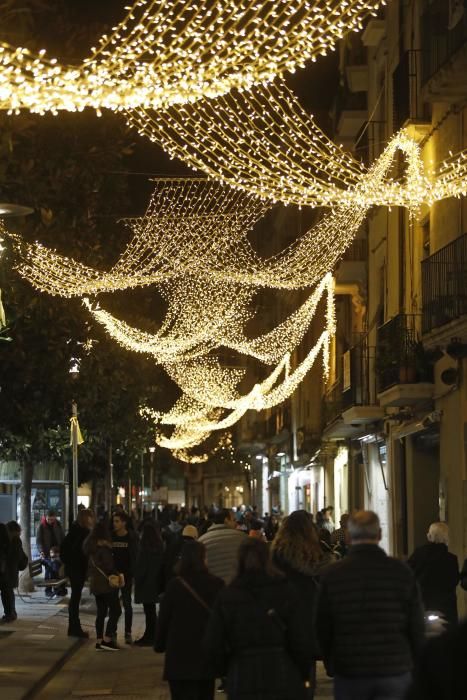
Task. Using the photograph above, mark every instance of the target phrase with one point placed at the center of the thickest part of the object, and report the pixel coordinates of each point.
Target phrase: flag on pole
(79, 436)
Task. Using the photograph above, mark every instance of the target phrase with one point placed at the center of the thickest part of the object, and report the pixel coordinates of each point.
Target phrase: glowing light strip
(173, 51)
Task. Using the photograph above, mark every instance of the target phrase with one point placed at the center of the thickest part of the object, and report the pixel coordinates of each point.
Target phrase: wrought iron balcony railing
(406, 89)
(400, 358)
(355, 385)
(443, 33)
(444, 285)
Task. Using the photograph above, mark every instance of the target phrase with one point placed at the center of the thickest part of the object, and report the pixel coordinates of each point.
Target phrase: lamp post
(152, 450)
(142, 484)
(74, 374)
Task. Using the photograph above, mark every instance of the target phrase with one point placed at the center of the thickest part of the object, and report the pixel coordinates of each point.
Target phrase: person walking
(437, 573)
(49, 534)
(16, 561)
(296, 551)
(76, 567)
(148, 579)
(339, 538)
(12, 560)
(98, 547)
(125, 547)
(256, 634)
(222, 541)
(369, 621)
(188, 598)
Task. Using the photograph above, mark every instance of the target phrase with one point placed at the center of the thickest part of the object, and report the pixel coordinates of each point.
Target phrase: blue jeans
(372, 688)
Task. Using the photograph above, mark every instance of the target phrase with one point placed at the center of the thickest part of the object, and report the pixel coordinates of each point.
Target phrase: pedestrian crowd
(256, 603)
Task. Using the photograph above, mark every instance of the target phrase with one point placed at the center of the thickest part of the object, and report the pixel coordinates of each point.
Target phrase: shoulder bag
(114, 580)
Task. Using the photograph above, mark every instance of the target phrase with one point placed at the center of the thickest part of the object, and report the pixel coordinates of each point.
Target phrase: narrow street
(39, 661)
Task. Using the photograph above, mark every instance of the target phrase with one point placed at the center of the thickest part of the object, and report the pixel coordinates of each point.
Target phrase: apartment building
(397, 406)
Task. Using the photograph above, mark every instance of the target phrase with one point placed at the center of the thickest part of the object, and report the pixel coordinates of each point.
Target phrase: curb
(53, 670)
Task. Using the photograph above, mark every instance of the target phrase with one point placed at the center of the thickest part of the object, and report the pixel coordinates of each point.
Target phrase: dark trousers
(373, 688)
(192, 690)
(107, 604)
(151, 620)
(8, 600)
(126, 601)
(77, 585)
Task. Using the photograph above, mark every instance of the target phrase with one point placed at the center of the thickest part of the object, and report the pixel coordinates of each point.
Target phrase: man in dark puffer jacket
(369, 618)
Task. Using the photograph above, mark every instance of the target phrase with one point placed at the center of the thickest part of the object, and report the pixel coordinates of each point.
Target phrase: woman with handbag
(186, 606)
(256, 635)
(105, 583)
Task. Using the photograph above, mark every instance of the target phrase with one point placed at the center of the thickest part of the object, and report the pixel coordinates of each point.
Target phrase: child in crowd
(53, 571)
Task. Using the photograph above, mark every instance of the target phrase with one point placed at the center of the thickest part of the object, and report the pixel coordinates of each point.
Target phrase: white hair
(439, 533)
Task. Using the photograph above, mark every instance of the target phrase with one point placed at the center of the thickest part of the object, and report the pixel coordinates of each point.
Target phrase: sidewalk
(38, 660)
(33, 647)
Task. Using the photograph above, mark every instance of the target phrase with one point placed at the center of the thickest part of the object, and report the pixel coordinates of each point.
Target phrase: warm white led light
(175, 51)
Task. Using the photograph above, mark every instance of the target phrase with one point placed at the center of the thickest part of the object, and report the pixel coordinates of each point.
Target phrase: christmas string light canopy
(262, 141)
(186, 221)
(173, 52)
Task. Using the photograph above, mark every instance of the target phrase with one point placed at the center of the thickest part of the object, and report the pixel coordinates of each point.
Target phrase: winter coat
(148, 575)
(173, 550)
(437, 573)
(222, 544)
(369, 615)
(100, 557)
(256, 636)
(48, 536)
(442, 671)
(16, 560)
(304, 577)
(181, 625)
(72, 553)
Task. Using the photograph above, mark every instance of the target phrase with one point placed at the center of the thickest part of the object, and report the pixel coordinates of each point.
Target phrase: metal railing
(441, 38)
(397, 352)
(407, 103)
(444, 285)
(371, 141)
(356, 385)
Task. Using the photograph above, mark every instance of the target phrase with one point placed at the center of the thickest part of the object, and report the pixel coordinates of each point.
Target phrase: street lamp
(75, 439)
(152, 450)
(7, 210)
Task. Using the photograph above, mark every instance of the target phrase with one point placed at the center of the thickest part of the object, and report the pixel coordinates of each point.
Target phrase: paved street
(38, 659)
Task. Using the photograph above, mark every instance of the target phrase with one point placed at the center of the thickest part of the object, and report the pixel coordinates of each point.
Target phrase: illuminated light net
(203, 316)
(177, 51)
(163, 245)
(263, 142)
(186, 222)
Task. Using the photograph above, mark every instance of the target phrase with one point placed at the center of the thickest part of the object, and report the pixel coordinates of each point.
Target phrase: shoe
(9, 618)
(98, 646)
(128, 639)
(109, 646)
(81, 634)
(143, 642)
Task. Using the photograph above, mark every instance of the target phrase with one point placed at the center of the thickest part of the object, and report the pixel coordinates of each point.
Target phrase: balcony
(351, 113)
(350, 403)
(404, 374)
(444, 46)
(371, 141)
(409, 109)
(444, 293)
